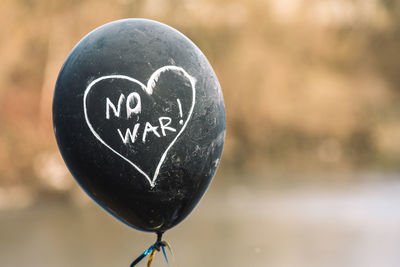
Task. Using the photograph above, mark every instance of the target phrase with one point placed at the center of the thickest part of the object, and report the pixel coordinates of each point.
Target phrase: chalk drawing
(180, 110)
(129, 135)
(149, 128)
(165, 126)
(151, 83)
(109, 105)
(138, 107)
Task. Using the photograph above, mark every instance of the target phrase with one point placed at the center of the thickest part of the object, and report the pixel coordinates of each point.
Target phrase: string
(165, 255)
(144, 254)
(159, 244)
(166, 244)
(151, 258)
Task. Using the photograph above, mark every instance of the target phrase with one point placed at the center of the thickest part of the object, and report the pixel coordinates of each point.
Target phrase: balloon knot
(159, 243)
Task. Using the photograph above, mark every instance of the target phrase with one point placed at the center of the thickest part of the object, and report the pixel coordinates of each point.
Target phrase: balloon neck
(159, 243)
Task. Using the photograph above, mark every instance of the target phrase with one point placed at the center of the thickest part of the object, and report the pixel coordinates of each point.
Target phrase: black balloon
(139, 119)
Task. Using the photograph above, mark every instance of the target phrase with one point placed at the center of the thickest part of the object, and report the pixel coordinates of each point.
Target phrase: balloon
(139, 119)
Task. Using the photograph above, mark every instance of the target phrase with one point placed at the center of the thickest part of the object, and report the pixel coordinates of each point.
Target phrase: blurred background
(310, 170)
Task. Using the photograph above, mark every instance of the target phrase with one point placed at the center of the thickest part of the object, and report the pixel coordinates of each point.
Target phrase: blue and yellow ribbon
(152, 251)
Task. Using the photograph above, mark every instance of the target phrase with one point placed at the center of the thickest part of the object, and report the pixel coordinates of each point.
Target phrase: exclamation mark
(180, 111)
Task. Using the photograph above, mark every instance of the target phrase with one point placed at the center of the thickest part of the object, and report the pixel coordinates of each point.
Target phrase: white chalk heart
(147, 89)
